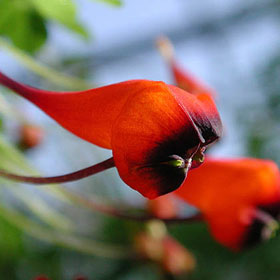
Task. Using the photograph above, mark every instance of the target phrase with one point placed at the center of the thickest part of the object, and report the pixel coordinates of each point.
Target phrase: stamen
(83, 173)
(175, 161)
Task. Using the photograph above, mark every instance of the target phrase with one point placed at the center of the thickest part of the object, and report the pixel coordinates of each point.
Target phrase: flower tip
(165, 48)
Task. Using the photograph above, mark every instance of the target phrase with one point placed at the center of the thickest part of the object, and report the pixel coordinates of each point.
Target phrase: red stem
(83, 173)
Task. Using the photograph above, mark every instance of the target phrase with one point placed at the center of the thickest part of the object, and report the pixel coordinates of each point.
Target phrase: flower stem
(83, 173)
(122, 214)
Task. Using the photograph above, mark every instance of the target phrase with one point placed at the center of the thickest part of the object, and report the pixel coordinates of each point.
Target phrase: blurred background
(233, 46)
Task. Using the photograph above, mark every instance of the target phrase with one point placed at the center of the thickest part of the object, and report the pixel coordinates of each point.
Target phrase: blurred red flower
(239, 198)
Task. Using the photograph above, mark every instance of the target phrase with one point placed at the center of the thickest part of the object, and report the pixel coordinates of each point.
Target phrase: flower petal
(88, 114)
(182, 78)
(152, 127)
(228, 191)
(203, 111)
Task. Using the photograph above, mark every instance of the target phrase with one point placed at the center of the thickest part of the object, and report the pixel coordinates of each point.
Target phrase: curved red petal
(152, 127)
(188, 82)
(203, 112)
(182, 78)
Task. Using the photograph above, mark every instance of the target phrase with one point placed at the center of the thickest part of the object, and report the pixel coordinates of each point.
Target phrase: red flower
(182, 78)
(153, 129)
(163, 207)
(158, 246)
(239, 198)
(30, 136)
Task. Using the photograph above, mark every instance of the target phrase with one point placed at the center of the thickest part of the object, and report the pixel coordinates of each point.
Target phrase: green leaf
(22, 24)
(111, 2)
(63, 11)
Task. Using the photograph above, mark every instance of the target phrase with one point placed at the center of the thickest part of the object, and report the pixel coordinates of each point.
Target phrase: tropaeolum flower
(157, 132)
(239, 198)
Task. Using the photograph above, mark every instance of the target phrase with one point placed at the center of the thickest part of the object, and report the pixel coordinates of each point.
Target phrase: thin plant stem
(82, 173)
(70, 196)
(112, 211)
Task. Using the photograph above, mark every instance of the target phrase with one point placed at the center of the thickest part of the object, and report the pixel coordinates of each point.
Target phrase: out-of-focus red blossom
(182, 77)
(239, 198)
(42, 277)
(163, 207)
(166, 251)
(176, 258)
(148, 246)
(157, 132)
(30, 136)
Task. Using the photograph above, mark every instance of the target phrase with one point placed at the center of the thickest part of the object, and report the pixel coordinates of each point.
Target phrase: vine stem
(82, 173)
(122, 214)
(90, 204)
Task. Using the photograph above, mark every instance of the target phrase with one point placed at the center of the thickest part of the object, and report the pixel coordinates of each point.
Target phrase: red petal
(88, 114)
(203, 112)
(182, 77)
(228, 191)
(153, 126)
(188, 82)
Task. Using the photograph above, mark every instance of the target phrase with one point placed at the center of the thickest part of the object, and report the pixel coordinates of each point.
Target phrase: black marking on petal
(255, 232)
(182, 144)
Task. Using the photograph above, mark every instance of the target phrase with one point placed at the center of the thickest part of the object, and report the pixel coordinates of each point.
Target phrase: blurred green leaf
(22, 24)
(111, 2)
(63, 11)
